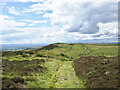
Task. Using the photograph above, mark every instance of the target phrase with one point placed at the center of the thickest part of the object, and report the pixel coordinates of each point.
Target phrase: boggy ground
(98, 72)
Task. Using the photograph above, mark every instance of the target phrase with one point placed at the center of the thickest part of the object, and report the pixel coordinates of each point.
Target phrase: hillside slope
(52, 66)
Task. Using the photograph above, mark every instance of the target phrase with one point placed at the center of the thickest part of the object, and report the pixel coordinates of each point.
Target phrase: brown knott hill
(98, 72)
(48, 47)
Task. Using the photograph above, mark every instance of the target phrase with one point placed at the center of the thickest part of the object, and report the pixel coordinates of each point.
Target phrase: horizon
(52, 21)
(19, 47)
(65, 43)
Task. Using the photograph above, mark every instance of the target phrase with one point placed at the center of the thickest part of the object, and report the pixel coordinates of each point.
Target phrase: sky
(52, 21)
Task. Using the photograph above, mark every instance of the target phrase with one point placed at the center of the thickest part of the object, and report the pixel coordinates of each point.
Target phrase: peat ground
(98, 72)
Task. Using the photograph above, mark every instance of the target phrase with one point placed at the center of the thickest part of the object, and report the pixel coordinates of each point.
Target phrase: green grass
(59, 74)
(69, 51)
(58, 63)
(103, 50)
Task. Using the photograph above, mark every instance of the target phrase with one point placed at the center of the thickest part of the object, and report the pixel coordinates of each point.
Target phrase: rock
(106, 73)
(18, 80)
(3, 65)
(19, 85)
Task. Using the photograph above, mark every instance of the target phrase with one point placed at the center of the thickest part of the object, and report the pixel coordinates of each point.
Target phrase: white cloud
(47, 15)
(106, 31)
(34, 22)
(111, 28)
(82, 17)
(32, 35)
(39, 8)
(39, 12)
(4, 17)
(72, 21)
(6, 22)
(26, 20)
(31, 24)
(4, 4)
(42, 21)
(30, 0)
(74, 0)
(49, 35)
(13, 11)
(78, 16)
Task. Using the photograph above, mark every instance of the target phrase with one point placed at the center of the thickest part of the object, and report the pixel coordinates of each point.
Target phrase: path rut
(87, 50)
(64, 75)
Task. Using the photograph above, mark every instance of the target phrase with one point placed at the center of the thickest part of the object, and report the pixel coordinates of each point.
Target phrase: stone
(18, 80)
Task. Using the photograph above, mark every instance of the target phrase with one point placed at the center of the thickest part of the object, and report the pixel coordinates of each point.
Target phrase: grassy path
(87, 50)
(67, 77)
(62, 75)
(59, 74)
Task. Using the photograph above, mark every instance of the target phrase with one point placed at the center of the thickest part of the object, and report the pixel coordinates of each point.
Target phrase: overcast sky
(51, 21)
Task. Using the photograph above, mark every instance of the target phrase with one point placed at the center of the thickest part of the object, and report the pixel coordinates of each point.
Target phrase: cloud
(32, 22)
(54, 34)
(39, 8)
(61, 0)
(31, 0)
(32, 35)
(106, 31)
(7, 22)
(42, 21)
(13, 11)
(26, 20)
(72, 21)
(23, 1)
(47, 15)
(108, 28)
(82, 17)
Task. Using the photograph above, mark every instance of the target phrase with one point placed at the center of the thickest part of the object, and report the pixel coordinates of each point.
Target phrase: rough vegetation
(25, 69)
(99, 72)
(61, 65)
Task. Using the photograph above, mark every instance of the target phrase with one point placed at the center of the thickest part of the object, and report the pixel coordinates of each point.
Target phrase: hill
(63, 65)
(18, 47)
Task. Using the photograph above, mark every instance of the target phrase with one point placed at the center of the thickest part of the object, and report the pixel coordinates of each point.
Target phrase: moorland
(62, 65)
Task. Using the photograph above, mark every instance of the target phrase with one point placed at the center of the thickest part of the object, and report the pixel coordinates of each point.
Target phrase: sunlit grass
(100, 50)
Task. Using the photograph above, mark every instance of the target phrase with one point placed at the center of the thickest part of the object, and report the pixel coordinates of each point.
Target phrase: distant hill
(17, 47)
